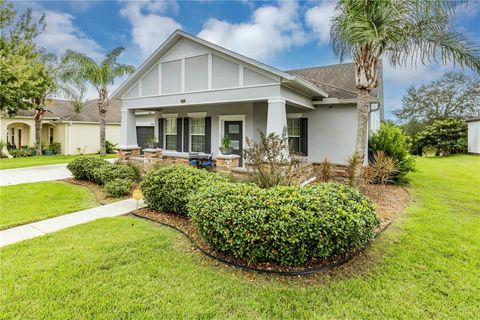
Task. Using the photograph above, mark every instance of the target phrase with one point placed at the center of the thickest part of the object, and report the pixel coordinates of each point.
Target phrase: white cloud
(150, 27)
(61, 33)
(318, 18)
(271, 30)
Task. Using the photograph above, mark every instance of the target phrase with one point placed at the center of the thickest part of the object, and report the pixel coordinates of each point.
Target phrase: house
(473, 135)
(76, 132)
(195, 92)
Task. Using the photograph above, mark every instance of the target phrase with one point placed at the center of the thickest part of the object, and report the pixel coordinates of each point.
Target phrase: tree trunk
(38, 130)
(102, 109)
(363, 107)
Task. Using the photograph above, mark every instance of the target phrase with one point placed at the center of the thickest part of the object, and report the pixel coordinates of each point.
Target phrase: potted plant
(225, 147)
(151, 142)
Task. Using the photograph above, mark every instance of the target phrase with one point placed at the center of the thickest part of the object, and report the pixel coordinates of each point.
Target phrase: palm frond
(112, 56)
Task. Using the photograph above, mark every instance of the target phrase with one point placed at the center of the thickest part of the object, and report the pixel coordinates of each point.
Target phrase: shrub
(119, 187)
(82, 168)
(110, 147)
(166, 189)
(396, 144)
(55, 147)
(325, 170)
(448, 135)
(24, 151)
(286, 225)
(110, 172)
(270, 162)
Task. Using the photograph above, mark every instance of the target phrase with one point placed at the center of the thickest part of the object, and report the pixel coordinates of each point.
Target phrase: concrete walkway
(40, 228)
(51, 172)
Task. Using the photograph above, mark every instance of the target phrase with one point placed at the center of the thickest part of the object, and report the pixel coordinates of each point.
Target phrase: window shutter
(186, 134)
(179, 134)
(208, 135)
(304, 136)
(160, 133)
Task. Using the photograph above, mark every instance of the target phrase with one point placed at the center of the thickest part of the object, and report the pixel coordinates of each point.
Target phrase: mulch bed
(102, 196)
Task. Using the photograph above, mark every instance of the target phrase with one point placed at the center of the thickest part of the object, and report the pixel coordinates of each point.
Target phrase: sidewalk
(40, 228)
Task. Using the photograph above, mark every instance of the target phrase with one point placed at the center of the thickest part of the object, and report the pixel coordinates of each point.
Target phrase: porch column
(128, 131)
(276, 116)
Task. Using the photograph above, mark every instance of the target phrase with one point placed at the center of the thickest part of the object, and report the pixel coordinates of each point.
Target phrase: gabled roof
(178, 34)
(337, 80)
(62, 110)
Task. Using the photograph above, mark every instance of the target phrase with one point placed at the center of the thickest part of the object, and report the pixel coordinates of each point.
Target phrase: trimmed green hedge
(286, 225)
(119, 187)
(166, 189)
(110, 172)
(82, 168)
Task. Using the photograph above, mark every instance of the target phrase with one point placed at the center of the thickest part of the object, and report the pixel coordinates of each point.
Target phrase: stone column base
(124, 154)
(152, 156)
(228, 162)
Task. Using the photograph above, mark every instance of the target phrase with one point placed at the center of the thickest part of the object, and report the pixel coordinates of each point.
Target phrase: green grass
(24, 203)
(425, 266)
(42, 160)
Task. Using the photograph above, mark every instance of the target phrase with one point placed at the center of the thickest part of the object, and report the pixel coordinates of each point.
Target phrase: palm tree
(62, 81)
(99, 76)
(401, 32)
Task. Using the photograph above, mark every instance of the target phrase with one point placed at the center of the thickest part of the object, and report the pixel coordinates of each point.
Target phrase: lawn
(24, 203)
(42, 160)
(425, 266)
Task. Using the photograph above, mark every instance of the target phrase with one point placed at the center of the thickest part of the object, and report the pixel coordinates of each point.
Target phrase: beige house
(76, 132)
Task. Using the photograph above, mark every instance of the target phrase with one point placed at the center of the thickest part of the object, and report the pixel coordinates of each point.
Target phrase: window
(197, 134)
(50, 135)
(171, 134)
(13, 136)
(294, 135)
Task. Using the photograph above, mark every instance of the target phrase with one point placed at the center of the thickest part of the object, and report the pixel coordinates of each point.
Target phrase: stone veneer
(227, 162)
(124, 154)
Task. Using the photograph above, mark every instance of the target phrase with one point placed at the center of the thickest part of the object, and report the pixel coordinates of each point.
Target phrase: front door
(234, 130)
(143, 133)
(19, 138)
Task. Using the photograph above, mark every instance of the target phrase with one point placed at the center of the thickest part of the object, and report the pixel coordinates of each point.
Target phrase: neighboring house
(474, 135)
(194, 93)
(77, 132)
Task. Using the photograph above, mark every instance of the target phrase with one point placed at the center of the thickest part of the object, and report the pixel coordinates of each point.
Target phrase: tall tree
(455, 95)
(22, 76)
(99, 75)
(65, 82)
(401, 31)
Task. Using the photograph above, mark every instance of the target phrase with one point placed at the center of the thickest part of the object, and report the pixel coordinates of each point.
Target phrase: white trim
(277, 100)
(232, 117)
(196, 114)
(169, 115)
(240, 75)
(159, 78)
(296, 115)
(200, 91)
(182, 75)
(210, 72)
(327, 101)
(143, 113)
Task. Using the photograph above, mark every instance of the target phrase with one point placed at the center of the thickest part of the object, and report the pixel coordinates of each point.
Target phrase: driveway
(36, 174)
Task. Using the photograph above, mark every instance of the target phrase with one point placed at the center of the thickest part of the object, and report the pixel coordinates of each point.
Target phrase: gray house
(190, 93)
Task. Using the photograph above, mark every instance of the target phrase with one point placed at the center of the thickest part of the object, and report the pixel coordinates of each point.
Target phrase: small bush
(396, 144)
(270, 162)
(325, 170)
(110, 172)
(82, 168)
(119, 187)
(55, 147)
(110, 147)
(286, 225)
(166, 189)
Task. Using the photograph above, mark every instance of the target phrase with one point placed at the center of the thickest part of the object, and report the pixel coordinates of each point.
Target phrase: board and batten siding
(191, 67)
(474, 136)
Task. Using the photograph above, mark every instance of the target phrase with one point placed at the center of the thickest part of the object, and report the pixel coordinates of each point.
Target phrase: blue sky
(286, 34)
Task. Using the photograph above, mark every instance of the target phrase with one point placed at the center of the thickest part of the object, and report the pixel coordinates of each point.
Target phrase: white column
(128, 131)
(276, 116)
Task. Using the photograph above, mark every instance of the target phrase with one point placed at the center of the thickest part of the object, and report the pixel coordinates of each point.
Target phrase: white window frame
(295, 116)
(174, 119)
(196, 116)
